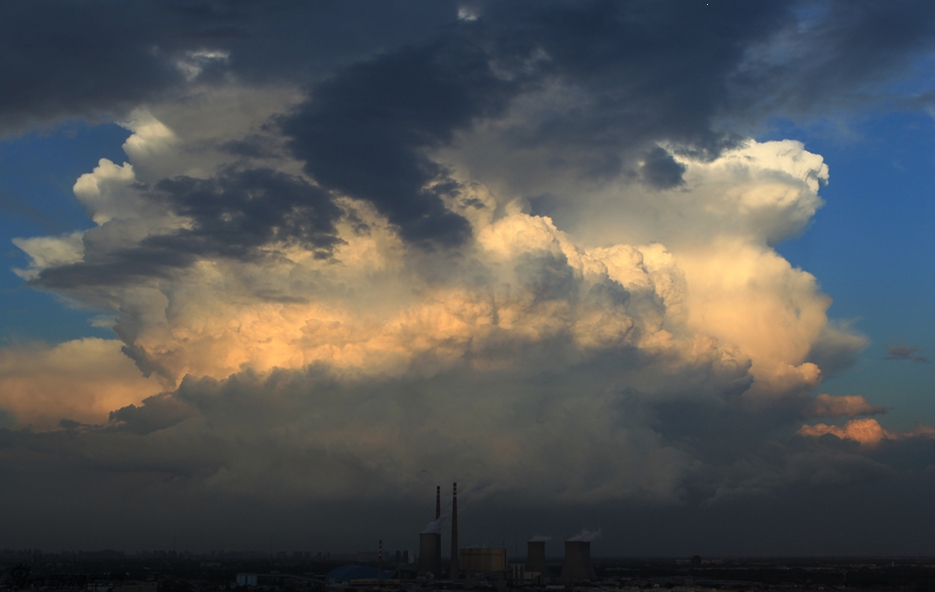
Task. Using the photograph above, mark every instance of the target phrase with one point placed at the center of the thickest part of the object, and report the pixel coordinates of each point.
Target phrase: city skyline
(661, 270)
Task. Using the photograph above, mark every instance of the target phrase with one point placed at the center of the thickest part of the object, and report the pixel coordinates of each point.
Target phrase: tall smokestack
(535, 558)
(577, 565)
(438, 502)
(455, 571)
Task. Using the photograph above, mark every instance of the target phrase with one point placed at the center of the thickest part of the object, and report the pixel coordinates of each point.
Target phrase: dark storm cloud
(649, 73)
(241, 210)
(745, 450)
(843, 53)
(661, 171)
(232, 216)
(100, 58)
(662, 68)
(155, 413)
(365, 132)
(115, 267)
(905, 351)
(253, 146)
(654, 71)
(78, 59)
(669, 71)
(742, 454)
(193, 456)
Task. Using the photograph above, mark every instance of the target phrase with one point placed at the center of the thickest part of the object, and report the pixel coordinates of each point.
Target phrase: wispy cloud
(905, 351)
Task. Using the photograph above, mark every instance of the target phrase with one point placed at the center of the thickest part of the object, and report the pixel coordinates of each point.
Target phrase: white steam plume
(586, 535)
(434, 527)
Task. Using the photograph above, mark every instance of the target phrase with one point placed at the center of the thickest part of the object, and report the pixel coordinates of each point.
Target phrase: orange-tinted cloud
(868, 432)
(82, 380)
(710, 290)
(683, 298)
(851, 406)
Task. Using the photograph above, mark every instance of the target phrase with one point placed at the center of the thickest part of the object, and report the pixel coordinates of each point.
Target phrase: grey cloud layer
(231, 216)
(99, 59)
(365, 132)
(76, 59)
(277, 444)
(646, 73)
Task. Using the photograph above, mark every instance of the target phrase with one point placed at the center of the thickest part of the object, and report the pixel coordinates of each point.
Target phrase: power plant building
(483, 560)
(430, 542)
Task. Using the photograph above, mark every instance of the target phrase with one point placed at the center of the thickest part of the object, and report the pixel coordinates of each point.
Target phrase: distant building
(349, 573)
(483, 560)
(246, 579)
(518, 572)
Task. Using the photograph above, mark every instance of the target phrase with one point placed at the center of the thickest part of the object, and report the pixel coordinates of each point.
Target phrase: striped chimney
(455, 570)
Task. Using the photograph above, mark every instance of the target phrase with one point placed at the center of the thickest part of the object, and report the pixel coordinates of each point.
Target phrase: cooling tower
(535, 558)
(577, 565)
(430, 553)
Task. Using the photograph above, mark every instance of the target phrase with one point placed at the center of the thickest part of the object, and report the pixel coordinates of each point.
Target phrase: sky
(662, 270)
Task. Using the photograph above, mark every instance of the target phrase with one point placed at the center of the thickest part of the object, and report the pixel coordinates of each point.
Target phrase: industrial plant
(467, 568)
(569, 567)
(485, 564)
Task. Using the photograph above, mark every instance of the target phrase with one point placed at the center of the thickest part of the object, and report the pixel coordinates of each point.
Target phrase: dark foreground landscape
(160, 571)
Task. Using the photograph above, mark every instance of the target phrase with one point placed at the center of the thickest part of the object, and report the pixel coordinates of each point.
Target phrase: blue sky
(37, 172)
(872, 248)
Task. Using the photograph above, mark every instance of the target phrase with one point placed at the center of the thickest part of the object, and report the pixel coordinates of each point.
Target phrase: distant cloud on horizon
(905, 351)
